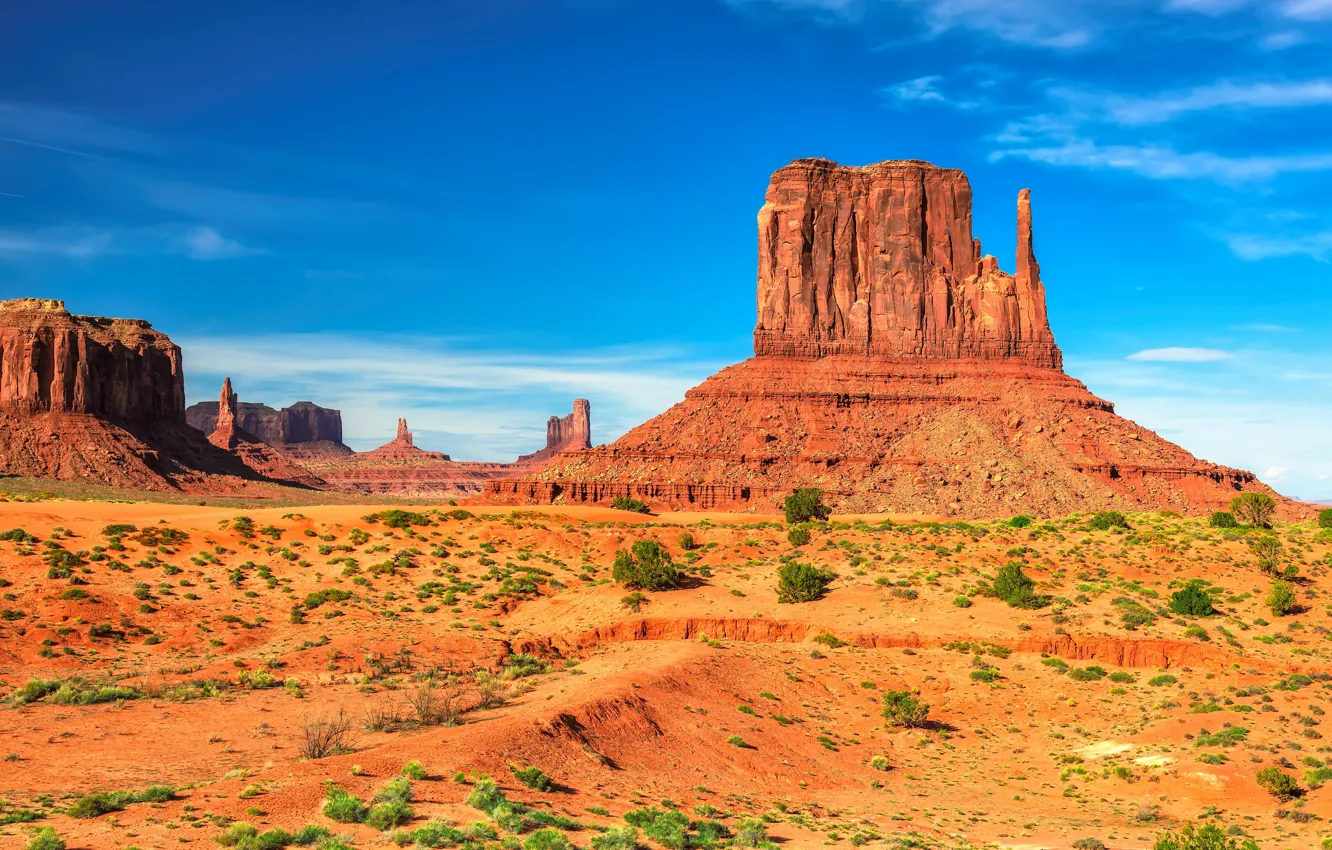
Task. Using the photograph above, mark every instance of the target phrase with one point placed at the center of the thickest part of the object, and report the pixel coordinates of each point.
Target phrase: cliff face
(880, 261)
(55, 362)
(303, 422)
(565, 434)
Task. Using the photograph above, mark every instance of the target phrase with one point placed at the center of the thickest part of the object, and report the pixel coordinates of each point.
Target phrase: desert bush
(1267, 553)
(1222, 519)
(1193, 600)
(1013, 586)
(750, 832)
(902, 709)
(414, 770)
(321, 737)
(1281, 599)
(804, 505)
(798, 536)
(44, 838)
(880, 762)
(962, 601)
(396, 518)
(633, 601)
(646, 566)
(520, 666)
(1209, 836)
(435, 706)
(616, 838)
(343, 806)
(624, 503)
(1089, 843)
(390, 815)
(1255, 509)
(1020, 521)
(1278, 783)
(547, 839)
(1325, 518)
(532, 777)
(800, 582)
(17, 535)
(686, 541)
(1106, 520)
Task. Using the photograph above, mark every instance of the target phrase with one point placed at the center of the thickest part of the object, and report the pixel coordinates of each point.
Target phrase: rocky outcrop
(224, 432)
(54, 362)
(880, 261)
(263, 459)
(401, 448)
(302, 430)
(567, 434)
(102, 401)
(898, 369)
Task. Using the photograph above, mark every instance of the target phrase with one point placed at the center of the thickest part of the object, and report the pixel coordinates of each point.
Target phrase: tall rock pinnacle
(224, 434)
(404, 436)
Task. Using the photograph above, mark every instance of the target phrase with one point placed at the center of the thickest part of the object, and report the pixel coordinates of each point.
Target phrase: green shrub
(1278, 783)
(902, 709)
(386, 816)
(985, 674)
(343, 806)
(1106, 520)
(624, 503)
(804, 505)
(686, 541)
(616, 838)
(396, 518)
(45, 838)
(1016, 588)
(1090, 673)
(1281, 599)
(1222, 519)
(547, 839)
(1206, 837)
(309, 835)
(1255, 509)
(962, 601)
(750, 832)
(1325, 519)
(798, 536)
(1089, 843)
(646, 565)
(1162, 680)
(532, 777)
(800, 582)
(669, 828)
(1193, 600)
(17, 535)
(414, 770)
(1020, 521)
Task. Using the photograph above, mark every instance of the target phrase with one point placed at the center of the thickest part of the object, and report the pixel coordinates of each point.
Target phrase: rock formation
(303, 430)
(401, 447)
(880, 261)
(99, 400)
(897, 368)
(570, 433)
(224, 432)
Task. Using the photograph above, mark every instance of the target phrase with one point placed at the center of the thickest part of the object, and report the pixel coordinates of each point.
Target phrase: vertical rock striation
(54, 362)
(881, 261)
(565, 434)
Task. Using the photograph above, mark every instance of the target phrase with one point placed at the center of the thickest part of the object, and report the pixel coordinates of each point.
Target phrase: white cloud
(1180, 355)
(75, 243)
(1162, 162)
(1275, 472)
(70, 132)
(84, 243)
(1130, 110)
(1254, 246)
(205, 243)
(1308, 10)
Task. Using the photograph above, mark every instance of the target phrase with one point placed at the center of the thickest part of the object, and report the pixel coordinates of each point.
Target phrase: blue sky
(470, 213)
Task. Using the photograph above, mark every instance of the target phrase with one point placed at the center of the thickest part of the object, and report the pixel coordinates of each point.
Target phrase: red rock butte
(101, 400)
(897, 368)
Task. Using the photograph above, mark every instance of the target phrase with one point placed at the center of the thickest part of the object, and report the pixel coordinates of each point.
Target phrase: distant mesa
(303, 430)
(896, 367)
(228, 433)
(100, 400)
(565, 434)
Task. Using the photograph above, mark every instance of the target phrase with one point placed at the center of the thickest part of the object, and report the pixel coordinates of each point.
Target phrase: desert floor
(188, 649)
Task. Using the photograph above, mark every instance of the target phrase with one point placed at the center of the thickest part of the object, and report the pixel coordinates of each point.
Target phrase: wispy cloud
(1263, 246)
(75, 243)
(494, 403)
(85, 243)
(1180, 355)
(1162, 162)
(71, 132)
